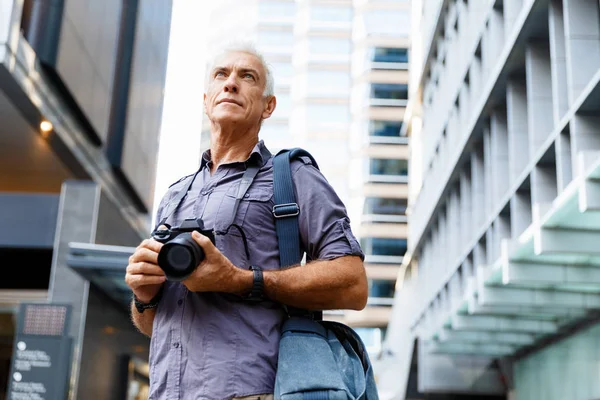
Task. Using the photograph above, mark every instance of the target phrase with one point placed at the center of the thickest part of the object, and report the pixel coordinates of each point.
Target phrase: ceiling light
(46, 126)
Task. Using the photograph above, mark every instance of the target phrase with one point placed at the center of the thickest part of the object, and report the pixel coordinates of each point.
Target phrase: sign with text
(41, 353)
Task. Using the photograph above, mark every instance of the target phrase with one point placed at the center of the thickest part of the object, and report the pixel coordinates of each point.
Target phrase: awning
(103, 266)
(546, 280)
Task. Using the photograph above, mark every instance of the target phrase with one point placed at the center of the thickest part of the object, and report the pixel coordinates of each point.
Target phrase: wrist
(243, 282)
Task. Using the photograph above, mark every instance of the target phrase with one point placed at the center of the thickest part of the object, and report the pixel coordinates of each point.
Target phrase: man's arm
(143, 321)
(340, 283)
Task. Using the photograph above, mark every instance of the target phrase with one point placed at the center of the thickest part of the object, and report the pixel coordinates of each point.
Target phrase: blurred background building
(501, 284)
(81, 93)
(341, 81)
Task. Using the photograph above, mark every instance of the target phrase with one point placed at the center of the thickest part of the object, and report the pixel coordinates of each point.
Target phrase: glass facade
(383, 246)
(381, 166)
(385, 128)
(391, 91)
(381, 288)
(383, 206)
(390, 55)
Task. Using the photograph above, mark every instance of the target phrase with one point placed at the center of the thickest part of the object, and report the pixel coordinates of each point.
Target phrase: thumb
(204, 242)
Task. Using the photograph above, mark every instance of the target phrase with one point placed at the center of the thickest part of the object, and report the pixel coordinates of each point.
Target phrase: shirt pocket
(255, 212)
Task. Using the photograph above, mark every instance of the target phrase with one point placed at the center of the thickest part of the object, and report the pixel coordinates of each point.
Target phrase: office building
(501, 287)
(378, 160)
(81, 88)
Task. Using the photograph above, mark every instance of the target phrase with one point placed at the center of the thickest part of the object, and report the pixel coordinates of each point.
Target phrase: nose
(231, 85)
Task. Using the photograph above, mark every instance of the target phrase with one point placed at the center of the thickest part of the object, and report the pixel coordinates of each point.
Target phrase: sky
(179, 148)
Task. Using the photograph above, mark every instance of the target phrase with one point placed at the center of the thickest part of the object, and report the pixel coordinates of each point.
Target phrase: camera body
(180, 254)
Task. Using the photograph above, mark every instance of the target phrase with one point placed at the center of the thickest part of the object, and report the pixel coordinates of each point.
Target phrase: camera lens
(180, 257)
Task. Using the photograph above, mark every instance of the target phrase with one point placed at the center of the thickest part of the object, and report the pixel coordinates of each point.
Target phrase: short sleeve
(323, 220)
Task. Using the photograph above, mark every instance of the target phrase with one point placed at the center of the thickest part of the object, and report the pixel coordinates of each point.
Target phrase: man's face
(235, 90)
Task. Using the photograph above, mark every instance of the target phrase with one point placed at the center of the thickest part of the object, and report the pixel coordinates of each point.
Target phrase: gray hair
(245, 47)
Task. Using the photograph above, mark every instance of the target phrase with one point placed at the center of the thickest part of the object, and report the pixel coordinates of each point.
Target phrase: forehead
(239, 60)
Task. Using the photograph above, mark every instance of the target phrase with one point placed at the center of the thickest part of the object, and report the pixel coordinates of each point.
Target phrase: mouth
(229, 101)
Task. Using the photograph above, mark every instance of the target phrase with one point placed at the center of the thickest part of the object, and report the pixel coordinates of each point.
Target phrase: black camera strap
(247, 179)
(173, 204)
(249, 175)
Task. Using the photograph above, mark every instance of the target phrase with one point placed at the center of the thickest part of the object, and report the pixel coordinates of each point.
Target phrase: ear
(270, 106)
(204, 103)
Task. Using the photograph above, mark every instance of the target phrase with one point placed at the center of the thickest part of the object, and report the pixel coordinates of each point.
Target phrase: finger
(204, 242)
(150, 244)
(144, 255)
(143, 268)
(137, 281)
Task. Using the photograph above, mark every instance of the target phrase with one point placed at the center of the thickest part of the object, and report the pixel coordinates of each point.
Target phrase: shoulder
(180, 181)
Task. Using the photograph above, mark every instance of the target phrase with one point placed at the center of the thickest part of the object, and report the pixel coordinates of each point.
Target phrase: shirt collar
(260, 155)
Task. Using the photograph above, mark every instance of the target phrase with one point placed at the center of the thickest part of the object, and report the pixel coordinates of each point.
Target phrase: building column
(76, 222)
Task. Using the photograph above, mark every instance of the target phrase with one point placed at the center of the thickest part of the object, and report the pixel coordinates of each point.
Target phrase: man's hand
(216, 273)
(143, 275)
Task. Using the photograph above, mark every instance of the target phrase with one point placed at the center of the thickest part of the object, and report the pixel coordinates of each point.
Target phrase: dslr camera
(180, 254)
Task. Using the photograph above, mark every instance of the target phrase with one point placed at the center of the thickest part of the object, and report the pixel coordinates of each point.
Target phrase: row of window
(383, 246)
(391, 55)
(381, 206)
(393, 167)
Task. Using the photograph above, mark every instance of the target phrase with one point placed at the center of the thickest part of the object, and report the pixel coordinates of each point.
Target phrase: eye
(250, 76)
(219, 74)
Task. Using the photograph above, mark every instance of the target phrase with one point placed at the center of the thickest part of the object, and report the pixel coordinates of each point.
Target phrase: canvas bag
(318, 360)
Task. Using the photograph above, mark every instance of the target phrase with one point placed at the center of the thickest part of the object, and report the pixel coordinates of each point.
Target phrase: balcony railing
(380, 301)
(387, 179)
(388, 140)
(384, 218)
(373, 259)
(387, 102)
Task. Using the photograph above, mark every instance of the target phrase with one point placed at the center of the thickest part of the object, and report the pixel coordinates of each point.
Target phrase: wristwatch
(153, 303)
(258, 286)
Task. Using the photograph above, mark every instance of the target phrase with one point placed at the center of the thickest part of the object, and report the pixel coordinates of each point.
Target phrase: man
(207, 340)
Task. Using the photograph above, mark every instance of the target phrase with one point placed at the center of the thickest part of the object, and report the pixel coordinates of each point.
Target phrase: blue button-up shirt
(216, 345)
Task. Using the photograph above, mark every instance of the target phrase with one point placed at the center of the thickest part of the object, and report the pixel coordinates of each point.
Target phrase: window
(328, 83)
(385, 54)
(383, 246)
(325, 13)
(390, 91)
(326, 115)
(282, 71)
(269, 38)
(284, 106)
(388, 22)
(380, 166)
(385, 128)
(381, 288)
(378, 205)
(322, 45)
(273, 10)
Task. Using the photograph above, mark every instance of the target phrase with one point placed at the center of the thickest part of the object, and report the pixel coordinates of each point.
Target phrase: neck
(231, 145)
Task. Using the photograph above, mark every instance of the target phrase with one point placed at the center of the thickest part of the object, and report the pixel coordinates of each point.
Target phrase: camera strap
(247, 179)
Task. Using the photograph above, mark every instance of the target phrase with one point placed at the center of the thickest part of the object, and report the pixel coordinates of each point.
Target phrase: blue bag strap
(286, 209)
(286, 212)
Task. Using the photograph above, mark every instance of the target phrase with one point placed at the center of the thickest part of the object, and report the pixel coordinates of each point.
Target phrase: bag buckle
(286, 210)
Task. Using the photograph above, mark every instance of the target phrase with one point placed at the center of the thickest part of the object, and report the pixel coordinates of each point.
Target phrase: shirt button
(176, 345)
(247, 195)
(179, 302)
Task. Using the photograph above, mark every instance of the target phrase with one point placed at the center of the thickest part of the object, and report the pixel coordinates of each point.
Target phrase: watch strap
(258, 285)
(153, 303)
